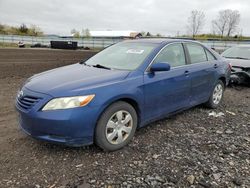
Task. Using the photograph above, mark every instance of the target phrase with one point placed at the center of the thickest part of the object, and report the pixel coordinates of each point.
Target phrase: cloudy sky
(157, 16)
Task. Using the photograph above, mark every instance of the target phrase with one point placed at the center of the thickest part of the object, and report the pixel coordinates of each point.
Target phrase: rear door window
(210, 57)
(196, 52)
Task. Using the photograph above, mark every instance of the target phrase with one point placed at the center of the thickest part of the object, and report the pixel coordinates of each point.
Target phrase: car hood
(71, 79)
(240, 63)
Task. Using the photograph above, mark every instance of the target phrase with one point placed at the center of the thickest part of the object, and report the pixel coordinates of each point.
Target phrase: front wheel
(217, 95)
(116, 126)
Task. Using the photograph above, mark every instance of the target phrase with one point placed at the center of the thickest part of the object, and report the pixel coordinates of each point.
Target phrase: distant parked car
(122, 88)
(239, 57)
(21, 44)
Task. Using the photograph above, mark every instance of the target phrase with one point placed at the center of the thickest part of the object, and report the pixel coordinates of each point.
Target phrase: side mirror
(160, 67)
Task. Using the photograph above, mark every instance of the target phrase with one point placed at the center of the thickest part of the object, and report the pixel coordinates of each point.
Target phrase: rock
(138, 180)
(231, 163)
(247, 139)
(232, 113)
(204, 183)
(125, 183)
(217, 176)
(219, 132)
(153, 183)
(228, 131)
(237, 181)
(245, 115)
(220, 160)
(214, 114)
(158, 178)
(84, 185)
(78, 166)
(191, 179)
(172, 179)
(92, 181)
(214, 168)
(207, 171)
(155, 156)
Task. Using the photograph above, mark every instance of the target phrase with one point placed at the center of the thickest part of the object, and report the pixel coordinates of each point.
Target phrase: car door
(167, 91)
(201, 71)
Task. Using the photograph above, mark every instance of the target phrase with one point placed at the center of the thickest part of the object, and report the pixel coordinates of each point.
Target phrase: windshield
(123, 56)
(237, 52)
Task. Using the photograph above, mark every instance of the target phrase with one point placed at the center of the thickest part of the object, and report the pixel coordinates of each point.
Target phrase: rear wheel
(217, 95)
(116, 126)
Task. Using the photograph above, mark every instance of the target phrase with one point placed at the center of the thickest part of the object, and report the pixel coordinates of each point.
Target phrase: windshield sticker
(134, 51)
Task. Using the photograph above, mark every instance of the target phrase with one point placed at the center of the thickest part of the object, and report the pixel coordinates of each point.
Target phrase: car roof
(160, 40)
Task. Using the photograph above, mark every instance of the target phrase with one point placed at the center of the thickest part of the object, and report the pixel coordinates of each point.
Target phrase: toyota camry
(105, 99)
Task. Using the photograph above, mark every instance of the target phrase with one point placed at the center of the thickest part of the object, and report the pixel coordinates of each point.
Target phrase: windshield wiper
(82, 62)
(236, 57)
(101, 66)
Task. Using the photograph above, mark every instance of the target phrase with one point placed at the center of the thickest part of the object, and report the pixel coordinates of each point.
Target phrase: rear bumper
(73, 127)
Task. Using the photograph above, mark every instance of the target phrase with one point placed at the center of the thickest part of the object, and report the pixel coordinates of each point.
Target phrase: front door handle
(215, 66)
(186, 73)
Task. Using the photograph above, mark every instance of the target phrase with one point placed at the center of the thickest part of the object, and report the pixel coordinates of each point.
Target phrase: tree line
(226, 24)
(78, 34)
(33, 30)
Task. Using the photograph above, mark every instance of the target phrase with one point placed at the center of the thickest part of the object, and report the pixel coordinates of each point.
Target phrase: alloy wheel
(217, 94)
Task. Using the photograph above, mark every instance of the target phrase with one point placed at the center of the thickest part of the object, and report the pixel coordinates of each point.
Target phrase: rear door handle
(186, 73)
(215, 66)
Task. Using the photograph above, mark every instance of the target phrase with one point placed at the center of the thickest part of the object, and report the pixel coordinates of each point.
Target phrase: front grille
(27, 102)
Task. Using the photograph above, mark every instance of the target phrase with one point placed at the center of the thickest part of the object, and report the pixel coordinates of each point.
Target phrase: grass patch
(8, 45)
(11, 45)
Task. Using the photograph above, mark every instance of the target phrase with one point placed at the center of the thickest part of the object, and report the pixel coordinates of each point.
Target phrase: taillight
(230, 66)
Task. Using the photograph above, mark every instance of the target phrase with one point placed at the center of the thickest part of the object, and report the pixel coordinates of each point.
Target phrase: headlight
(68, 102)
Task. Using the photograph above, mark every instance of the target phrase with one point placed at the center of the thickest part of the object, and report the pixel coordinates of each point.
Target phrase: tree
(35, 31)
(86, 33)
(75, 33)
(2, 31)
(158, 35)
(143, 33)
(148, 34)
(227, 22)
(196, 22)
(23, 29)
(233, 22)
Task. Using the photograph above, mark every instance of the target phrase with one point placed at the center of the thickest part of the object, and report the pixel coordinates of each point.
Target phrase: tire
(112, 131)
(216, 96)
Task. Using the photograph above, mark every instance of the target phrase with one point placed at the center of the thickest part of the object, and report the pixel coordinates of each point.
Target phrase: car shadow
(141, 132)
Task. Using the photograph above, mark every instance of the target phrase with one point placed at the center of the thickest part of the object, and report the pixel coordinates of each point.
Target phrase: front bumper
(240, 76)
(73, 127)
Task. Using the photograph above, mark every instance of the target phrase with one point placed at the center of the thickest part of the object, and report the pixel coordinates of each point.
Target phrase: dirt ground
(188, 149)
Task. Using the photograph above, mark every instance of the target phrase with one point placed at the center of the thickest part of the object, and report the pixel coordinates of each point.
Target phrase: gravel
(187, 149)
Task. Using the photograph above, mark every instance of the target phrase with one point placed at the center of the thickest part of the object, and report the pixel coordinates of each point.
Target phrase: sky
(167, 17)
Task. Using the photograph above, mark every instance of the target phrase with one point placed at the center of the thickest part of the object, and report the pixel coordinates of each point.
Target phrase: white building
(110, 33)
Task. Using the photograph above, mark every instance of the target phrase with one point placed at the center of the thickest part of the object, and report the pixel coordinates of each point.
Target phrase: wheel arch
(128, 99)
(223, 79)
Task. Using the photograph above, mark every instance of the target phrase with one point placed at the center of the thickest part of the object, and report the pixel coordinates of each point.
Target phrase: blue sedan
(124, 87)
